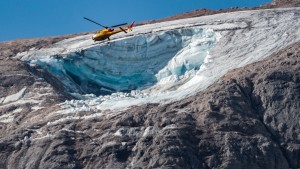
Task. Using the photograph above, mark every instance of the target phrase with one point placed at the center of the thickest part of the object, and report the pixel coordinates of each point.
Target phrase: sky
(42, 18)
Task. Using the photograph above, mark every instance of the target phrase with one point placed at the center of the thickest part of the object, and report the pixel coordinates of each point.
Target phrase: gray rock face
(283, 3)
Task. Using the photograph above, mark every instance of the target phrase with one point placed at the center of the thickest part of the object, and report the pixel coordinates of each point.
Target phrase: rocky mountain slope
(283, 3)
(248, 118)
(205, 12)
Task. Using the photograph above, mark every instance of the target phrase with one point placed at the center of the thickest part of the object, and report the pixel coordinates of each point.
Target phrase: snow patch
(47, 136)
(149, 131)
(14, 97)
(7, 118)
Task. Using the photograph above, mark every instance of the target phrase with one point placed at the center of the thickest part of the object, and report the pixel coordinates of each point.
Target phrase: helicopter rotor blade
(122, 29)
(119, 25)
(95, 22)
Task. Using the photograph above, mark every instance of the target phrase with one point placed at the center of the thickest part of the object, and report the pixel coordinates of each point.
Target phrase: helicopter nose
(94, 37)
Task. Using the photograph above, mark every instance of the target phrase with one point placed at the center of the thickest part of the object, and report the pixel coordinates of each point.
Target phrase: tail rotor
(130, 27)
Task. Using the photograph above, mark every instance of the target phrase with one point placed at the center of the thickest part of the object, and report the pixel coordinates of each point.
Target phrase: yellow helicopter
(108, 31)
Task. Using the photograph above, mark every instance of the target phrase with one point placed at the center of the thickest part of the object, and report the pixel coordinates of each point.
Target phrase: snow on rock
(13, 97)
(6, 118)
(164, 61)
(149, 131)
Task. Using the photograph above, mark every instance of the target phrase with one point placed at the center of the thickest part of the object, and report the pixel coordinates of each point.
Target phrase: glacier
(165, 61)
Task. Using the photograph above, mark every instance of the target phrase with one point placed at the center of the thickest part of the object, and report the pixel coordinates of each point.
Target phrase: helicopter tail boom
(130, 26)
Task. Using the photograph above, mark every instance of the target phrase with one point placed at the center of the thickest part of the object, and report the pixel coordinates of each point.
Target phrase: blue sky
(40, 18)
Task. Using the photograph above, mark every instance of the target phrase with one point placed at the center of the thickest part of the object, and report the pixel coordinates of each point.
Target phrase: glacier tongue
(165, 61)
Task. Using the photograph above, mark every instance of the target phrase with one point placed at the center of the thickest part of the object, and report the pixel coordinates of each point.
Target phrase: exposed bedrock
(248, 119)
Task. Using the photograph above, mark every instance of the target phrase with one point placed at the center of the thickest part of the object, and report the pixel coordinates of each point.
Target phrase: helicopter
(108, 31)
